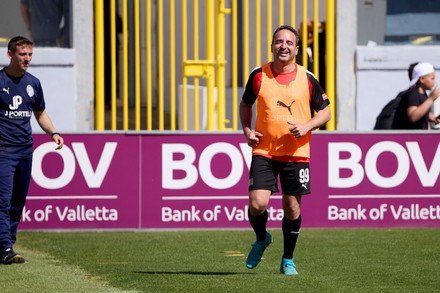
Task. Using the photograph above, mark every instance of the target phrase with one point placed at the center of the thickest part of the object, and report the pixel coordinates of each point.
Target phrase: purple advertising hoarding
(91, 183)
(199, 181)
(375, 180)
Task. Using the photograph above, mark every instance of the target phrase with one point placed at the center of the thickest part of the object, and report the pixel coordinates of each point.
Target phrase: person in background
(309, 49)
(393, 115)
(21, 95)
(43, 20)
(416, 101)
(311, 58)
(286, 94)
(107, 53)
(411, 69)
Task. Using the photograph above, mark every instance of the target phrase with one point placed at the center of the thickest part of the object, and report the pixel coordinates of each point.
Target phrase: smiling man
(21, 96)
(286, 94)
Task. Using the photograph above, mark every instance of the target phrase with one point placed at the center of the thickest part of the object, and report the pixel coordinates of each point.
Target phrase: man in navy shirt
(21, 96)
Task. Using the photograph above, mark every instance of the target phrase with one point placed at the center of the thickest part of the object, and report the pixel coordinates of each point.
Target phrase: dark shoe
(10, 257)
(257, 251)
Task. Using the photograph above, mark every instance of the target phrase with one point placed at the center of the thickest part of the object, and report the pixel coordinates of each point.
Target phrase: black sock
(291, 231)
(258, 223)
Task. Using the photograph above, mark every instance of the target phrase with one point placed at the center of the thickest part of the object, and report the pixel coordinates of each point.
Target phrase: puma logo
(6, 90)
(280, 103)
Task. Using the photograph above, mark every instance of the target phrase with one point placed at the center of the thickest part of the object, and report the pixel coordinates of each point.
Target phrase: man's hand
(253, 138)
(56, 137)
(297, 129)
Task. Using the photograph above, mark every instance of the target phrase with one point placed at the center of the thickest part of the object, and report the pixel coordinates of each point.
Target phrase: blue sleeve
(39, 103)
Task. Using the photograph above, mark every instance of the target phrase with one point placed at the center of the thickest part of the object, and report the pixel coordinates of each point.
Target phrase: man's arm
(252, 137)
(246, 118)
(45, 123)
(415, 113)
(321, 117)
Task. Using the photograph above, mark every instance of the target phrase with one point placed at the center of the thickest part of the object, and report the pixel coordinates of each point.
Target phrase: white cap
(421, 69)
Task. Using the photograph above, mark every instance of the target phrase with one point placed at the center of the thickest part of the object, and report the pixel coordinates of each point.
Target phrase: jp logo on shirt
(16, 102)
(15, 113)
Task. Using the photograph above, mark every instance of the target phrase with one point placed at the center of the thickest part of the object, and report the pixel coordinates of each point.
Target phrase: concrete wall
(55, 67)
(346, 36)
(67, 75)
(84, 67)
(381, 73)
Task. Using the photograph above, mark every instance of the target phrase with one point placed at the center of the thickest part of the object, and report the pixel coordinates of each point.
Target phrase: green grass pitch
(328, 260)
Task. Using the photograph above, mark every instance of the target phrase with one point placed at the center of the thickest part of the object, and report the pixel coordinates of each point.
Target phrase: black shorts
(294, 176)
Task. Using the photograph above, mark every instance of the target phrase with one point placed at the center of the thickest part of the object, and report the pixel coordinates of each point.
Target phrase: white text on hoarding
(215, 214)
(93, 178)
(427, 172)
(79, 213)
(192, 172)
(397, 212)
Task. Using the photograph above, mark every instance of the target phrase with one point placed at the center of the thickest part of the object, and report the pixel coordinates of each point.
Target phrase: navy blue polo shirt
(19, 97)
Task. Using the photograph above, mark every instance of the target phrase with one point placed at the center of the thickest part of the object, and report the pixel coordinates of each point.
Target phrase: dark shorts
(294, 176)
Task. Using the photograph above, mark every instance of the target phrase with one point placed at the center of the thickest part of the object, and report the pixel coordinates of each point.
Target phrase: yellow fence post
(160, 57)
(234, 65)
(149, 98)
(196, 57)
(137, 68)
(99, 66)
(331, 62)
(172, 67)
(213, 68)
(210, 32)
(125, 63)
(245, 40)
(113, 62)
(281, 12)
(293, 13)
(258, 31)
(221, 62)
(316, 39)
(304, 36)
(269, 30)
(184, 101)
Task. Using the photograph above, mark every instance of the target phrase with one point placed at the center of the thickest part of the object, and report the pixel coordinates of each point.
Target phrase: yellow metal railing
(331, 61)
(99, 66)
(234, 71)
(198, 47)
(149, 70)
(125, 64)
